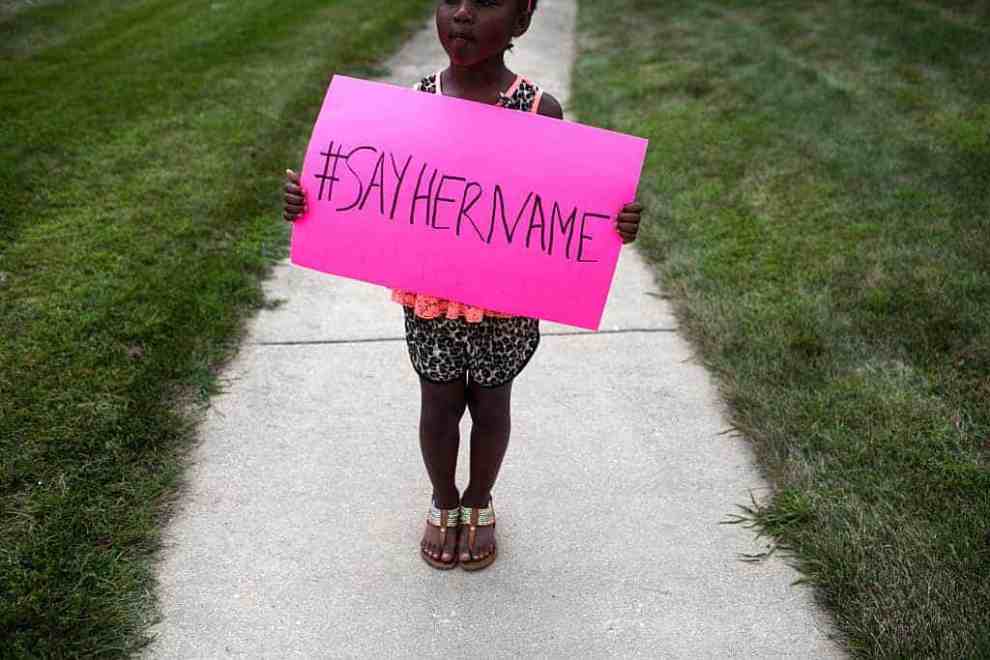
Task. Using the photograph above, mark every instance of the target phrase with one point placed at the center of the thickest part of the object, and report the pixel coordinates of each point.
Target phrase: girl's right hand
(295, 197)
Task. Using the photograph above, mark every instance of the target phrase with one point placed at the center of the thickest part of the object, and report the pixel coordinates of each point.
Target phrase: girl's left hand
(627, 223)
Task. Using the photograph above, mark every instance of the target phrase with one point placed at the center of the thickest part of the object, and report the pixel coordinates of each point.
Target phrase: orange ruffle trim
(428, 307)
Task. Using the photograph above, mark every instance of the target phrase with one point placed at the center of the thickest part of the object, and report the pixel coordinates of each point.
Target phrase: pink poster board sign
(500, 209)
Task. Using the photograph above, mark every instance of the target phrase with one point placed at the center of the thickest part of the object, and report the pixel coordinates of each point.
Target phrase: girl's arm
(550, 107)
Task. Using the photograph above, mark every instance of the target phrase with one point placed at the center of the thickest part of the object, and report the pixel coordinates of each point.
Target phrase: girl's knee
(442, 412)
(442, 406)
(491, 426)
(491, 416)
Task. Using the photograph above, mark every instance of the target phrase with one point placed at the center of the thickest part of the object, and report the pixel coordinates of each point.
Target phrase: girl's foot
(438, 547)
(476, 547)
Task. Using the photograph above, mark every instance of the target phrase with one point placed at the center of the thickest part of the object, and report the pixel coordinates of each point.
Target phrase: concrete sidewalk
(299, 535)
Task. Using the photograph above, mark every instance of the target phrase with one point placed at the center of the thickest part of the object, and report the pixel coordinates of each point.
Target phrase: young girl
(467, 357)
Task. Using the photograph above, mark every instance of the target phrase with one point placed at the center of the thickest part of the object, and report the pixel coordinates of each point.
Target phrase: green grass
(143, 145)
(819, 194)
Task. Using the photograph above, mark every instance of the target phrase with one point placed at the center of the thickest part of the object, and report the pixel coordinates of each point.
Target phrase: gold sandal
(471, 519)
(444, 519)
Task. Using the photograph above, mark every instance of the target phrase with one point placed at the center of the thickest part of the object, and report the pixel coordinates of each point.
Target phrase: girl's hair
(526, 5)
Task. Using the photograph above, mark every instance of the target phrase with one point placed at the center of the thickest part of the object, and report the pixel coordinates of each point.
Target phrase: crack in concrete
(386, 340)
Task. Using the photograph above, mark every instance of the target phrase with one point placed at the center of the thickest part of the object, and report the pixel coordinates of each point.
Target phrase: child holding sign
(467, 357)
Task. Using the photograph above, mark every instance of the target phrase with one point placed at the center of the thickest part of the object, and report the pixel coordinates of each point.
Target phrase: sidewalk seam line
(385, 340)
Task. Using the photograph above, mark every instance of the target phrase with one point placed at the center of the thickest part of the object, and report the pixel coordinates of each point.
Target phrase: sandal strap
(442, 517)
(485, 515)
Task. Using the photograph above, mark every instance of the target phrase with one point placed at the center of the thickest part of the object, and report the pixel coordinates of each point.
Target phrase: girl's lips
(460, 35)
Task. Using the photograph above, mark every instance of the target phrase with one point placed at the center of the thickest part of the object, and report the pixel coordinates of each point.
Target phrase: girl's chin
(462, 60)
(463, 53)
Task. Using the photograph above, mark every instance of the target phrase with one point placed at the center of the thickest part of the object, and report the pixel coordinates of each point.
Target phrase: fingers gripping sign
(295, 197)
(627, 222)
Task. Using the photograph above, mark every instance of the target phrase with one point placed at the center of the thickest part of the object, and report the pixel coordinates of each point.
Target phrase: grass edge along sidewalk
(144, 146)
(819, 178)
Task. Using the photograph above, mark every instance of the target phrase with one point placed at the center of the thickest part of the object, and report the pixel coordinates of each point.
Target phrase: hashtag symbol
(329, 176)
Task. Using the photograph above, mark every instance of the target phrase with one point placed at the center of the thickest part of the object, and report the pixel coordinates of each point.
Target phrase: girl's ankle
(469, 499)
(449, 500)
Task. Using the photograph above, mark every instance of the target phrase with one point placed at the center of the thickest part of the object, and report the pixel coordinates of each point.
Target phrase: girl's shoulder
(523, 95)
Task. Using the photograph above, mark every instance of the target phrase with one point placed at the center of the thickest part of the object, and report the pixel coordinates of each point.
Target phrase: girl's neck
(479, 82)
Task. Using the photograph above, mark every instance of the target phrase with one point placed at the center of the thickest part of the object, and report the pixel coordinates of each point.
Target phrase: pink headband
(530, 9)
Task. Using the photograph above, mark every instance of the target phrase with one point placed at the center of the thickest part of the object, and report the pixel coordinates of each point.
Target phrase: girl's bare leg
(442, 407)
(491, 425)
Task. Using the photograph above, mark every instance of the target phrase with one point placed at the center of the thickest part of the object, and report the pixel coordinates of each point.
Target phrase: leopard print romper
(490, 352)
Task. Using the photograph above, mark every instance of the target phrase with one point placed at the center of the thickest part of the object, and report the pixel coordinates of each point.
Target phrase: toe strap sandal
(471, 519)
(444, 519)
